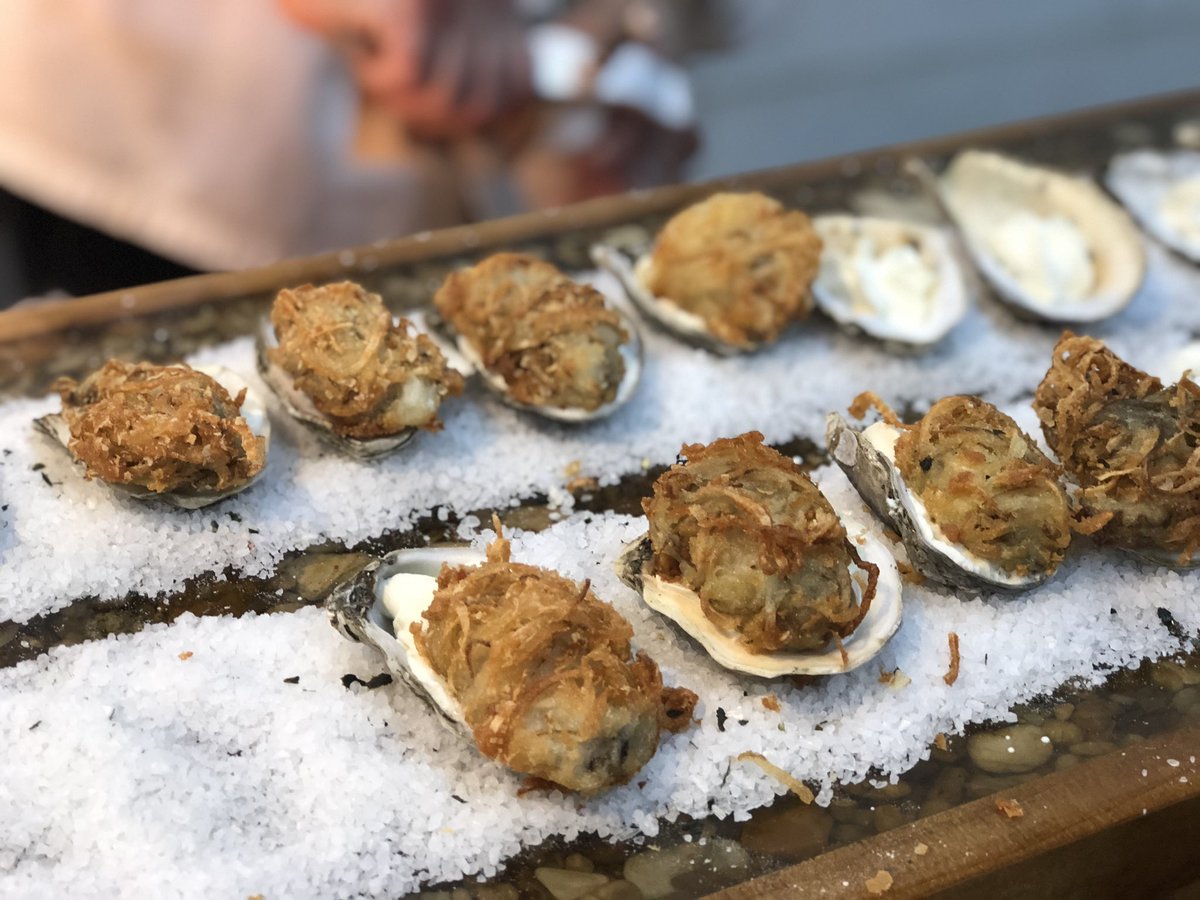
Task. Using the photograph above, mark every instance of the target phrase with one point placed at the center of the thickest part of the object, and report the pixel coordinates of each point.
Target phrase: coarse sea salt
(179, 762)
(489, 455)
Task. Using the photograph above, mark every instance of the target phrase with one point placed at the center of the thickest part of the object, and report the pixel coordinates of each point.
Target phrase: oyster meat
(1162, 190)
(542, 342)
(1132, 447)
(896, 281)
(340, 364)
(747, 556)
(533, 666)
(1053, 246)
(188, 437)
(729, 273)
(976, 503)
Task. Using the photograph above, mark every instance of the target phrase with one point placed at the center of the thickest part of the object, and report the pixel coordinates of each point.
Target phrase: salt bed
(488, 454)
(130, 770)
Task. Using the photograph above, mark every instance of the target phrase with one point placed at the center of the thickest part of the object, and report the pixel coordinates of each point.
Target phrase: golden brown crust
(163, 428)
(554, 341)
(746, 529)
(545, 675)
(742, 262)
(1131, 444)
(986, 485)
(368, 375)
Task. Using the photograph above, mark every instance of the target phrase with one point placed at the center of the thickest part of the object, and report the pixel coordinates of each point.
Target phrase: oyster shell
(340, 334)
(1162, 190)
(1129, 443)
(868, 457)
(729, 273)
(464, 357)
(253, 410)
(896, 281)
(682, 606)
(749, 557)
(357, 609)
(689, 327)
(1053, 246)
(530, 665)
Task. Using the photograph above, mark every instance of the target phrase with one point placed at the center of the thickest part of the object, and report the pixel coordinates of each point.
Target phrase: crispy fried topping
(951, 675)
(369, 375)
(745, 528)
(164, 428)
(986, 485)
(554, 341)
(1131, 444)
(1010, 807)
(864, 402)
(545, 674)
(742, 262)
(794, 784)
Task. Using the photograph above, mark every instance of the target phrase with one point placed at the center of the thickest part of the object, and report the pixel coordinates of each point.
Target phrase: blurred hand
(444, 67)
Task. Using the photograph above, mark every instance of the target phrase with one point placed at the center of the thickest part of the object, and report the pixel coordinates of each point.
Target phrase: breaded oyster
(986, 485)
(553, 341)
(368, 375)
(741, 262)
(161, 428)
(544, 675)
(1131, 445)
(745, 529)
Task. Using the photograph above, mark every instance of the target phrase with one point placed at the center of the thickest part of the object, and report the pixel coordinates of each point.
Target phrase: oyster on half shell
(531, 666)
(465, 358)
(356, 375)
(539, 340)
(996, 519)
(1162, 190)
(1053, 246)
(896, 281)
(748, 556)
(729, 274)
(682, 606)
(252, 410)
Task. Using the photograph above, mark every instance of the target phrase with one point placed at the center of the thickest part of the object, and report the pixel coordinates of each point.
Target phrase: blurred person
(142, 140)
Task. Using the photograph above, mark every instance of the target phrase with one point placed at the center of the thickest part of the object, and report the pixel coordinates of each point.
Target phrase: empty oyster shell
(682, 606)
(868, 457)
(896, 281)
(1162, 190)
(253, 410)
(463, 357)
(1052, 246)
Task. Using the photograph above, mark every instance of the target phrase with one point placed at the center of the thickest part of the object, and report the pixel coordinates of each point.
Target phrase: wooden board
(976, 850)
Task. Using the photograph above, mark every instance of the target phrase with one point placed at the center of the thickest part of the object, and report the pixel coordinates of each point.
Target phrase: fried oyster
(1131, 445)
(741, 262)
(986, 485)
(368, 375)
(746, 530)
(161, 428)
(544, 674)
(553, 341)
